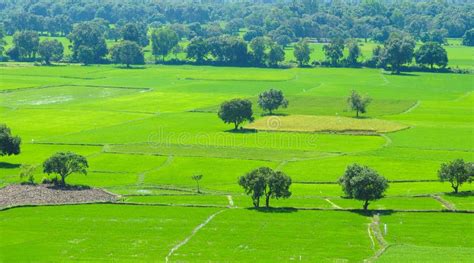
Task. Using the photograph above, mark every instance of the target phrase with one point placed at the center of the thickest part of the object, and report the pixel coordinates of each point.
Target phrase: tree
(163, 40)
(127, 52)
(258, 46)
(51, 50)
(271, 100)
(27, 171)
(26, 42)
(398, 50)
(3, 43)
(65, 164)
(265, 182)
(85, 55)
(197, 178)
(275, 55)
(456, 172)
(358, 103)
(468, 38)
(135, 33)
(88, 42)
(9, 144)
(354, 53)
(363, 183)
(236, 111)
(334, 51)
(197, 50)
(431, 53)
(302, 52)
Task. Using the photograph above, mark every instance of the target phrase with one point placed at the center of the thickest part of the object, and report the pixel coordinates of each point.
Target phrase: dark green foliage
(271, 100)
(197, 50)
(363, 183)
(398, 50)
(163, 40)
(457, 173)
(275, 55)
(265, 182)
(468, 38)
(258, 46)
(26, 43)
(236, 111)
(65, 164)
(334, 51)
(358, 103)
(9, 144)
(127, 52)
(302, 52)
(229, 50)
(431, 54)
(51, 50)
(354, 54)
(136, 33)
(197, 178)
(88, 42)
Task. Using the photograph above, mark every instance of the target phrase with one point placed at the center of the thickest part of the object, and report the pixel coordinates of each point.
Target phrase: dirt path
(141, 176)
(374, 231)
(412, 107)
(195, 230)
(231, 202)
(333, 204)
(446, 204)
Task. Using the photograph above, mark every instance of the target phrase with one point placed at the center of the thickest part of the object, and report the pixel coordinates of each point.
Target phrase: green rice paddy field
(147, 130)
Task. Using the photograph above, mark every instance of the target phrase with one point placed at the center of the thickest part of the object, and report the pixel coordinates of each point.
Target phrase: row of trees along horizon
(89, 46)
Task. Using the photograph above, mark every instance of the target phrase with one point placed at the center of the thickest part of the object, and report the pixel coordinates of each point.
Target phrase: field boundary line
(414, 106)
(445, 203)
(231, 202)
(333, 204)
(193, 233)
(141, 175)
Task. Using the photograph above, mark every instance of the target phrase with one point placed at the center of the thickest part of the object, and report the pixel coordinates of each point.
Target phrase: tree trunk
(236, 126)
(431, 66)
(63, 180)
(267, 201)
(198, 190)
(455, 188)
(366, 204)
(357, 113)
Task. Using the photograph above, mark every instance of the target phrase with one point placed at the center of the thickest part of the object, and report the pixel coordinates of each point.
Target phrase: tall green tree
(50, 50)
(363, 183)
(271, 100)
(9, 144)
(197, 50)
(65, 164)
(236, 111)
(398, 50)
(276, 54)
(302, 52)
(457, 173)
(431, 54)
(26, 42)
(334, 51)
(468, 38)
(354, 53)
(358, 103)
(163, 40)
(88, 38)
(259, 46)
(127, 52)
(3, 43)
(267, 183)
(135, 33)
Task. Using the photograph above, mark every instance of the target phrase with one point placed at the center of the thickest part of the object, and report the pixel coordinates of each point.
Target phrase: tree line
(89, 45)
(282, 21)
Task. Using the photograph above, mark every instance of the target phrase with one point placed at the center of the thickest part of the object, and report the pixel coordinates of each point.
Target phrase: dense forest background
(278, 21)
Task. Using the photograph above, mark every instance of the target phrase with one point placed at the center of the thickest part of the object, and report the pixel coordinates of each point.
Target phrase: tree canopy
(358, 103)
(236, 111)
(271, 100)
(431, 53)
(363, 183)
(9, 144)
(51, 50)
(267, 183)
(65, 164)
(127, 52)
(457, 172)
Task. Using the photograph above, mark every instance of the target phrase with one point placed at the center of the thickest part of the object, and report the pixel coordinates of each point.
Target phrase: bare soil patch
(13, 195)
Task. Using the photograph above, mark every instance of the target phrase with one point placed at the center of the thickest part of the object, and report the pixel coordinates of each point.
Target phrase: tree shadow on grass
(69, 187)
(461, 194)
(274, 114)
(9, 165)
(131, 67)
(242, 130)
(370, 213)
(274, 209)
